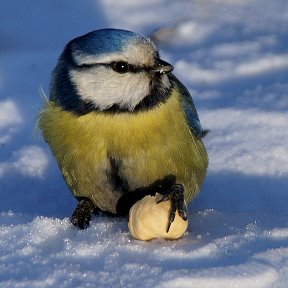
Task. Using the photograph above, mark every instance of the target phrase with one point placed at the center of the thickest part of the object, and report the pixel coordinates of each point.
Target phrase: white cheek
(105, 87)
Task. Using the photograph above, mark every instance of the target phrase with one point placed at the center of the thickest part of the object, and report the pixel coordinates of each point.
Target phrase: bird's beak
(162, 67)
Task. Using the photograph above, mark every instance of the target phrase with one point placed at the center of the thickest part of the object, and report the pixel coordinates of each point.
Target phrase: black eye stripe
(121, 67)
(124, 67)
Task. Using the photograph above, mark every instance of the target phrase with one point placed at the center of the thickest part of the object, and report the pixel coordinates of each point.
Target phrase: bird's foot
(176, 195)
(82, 214)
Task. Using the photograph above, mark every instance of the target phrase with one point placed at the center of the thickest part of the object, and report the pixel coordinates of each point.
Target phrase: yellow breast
(150, 144)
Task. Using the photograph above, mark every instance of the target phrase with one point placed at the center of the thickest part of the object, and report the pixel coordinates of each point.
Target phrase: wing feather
(189, 108)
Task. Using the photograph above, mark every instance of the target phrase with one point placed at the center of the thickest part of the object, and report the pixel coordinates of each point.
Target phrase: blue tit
(122, 126)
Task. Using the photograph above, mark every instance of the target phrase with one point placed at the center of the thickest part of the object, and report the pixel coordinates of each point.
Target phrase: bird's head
(110, 69)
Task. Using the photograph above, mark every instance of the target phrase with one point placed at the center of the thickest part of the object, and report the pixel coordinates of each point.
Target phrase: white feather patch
(105, 87)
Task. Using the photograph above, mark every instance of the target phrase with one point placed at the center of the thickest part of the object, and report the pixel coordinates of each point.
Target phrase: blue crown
(106, 41)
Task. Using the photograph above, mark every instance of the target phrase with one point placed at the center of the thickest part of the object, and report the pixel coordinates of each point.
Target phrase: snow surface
(233, 57)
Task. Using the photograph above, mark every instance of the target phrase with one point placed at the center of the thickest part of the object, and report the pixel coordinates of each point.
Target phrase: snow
(233, 57)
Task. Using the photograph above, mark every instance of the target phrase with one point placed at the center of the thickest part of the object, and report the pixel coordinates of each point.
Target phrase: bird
(122, 126)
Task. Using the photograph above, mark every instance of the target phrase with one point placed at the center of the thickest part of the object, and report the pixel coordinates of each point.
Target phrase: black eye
(120, 67)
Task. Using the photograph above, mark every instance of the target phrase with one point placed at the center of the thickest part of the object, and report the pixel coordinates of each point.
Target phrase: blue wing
(189, 108)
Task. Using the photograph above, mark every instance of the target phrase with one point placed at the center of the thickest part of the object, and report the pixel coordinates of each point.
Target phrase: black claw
(176, 195)
(82, 214)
